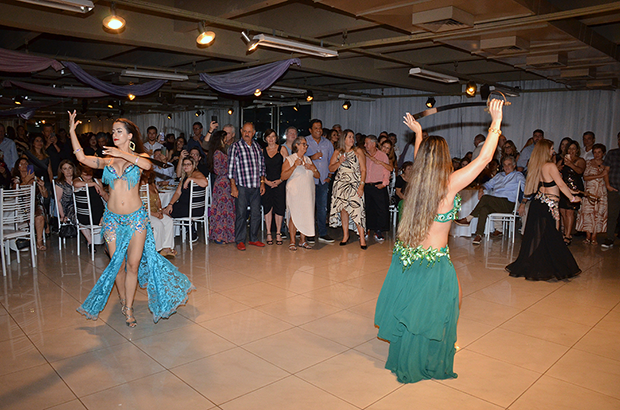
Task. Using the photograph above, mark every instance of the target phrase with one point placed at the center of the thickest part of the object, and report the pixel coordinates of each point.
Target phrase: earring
(132, 145)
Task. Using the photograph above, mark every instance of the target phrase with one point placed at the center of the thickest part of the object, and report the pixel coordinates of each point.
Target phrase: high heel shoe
(131, 319)
(343, 243)
(363, 247)
(123, 307)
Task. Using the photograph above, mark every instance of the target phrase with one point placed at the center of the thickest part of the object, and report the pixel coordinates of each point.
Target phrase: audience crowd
(299, 184)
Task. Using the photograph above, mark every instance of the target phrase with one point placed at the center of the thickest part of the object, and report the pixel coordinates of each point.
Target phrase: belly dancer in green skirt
(418, 306)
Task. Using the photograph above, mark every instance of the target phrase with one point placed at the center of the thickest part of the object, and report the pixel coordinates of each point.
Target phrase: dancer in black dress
(543, 254)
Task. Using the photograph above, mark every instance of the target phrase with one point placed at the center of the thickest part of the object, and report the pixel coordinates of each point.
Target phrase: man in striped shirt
(246, 170)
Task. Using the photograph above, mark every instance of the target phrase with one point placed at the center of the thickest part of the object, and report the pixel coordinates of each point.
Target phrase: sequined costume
(167, 288)
(418, 309)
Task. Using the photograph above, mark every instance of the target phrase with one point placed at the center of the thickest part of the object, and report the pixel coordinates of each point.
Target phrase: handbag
(67, 231)
(22, 243)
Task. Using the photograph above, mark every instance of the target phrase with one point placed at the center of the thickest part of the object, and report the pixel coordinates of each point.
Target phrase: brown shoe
(462, 222)
(477, 240)
(496, 233)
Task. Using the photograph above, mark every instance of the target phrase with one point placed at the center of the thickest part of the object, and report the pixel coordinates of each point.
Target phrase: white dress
(300, 196)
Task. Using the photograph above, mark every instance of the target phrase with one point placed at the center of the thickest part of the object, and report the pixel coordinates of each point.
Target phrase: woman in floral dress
(222, 212)
(593, 215)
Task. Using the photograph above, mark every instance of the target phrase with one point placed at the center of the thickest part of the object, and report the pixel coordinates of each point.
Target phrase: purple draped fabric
(15, 62)
(58, 92)
(246, 81)
(118, 90)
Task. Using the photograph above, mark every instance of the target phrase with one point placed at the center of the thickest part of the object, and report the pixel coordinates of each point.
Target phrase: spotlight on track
(296, 107)
(471, 89)
(346, 105)
(258, 92)
(169, 116)
(309, 96)
(430, 103)
(205, 37)
(231, 111)
(113, 22)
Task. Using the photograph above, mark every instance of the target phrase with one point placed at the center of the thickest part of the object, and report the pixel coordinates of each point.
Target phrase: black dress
(180, 209)
(543, 254)
(574, 181)
(274, 198)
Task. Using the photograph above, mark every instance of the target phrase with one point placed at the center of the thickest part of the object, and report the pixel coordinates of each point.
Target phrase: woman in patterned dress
(593, 215)
(348, 191)
(222, 211)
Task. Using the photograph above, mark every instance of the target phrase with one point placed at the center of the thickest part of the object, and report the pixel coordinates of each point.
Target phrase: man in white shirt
(478, 143)
(163, 174)
(7, 146)
(526, 153)
(151, 144)
(588, 142)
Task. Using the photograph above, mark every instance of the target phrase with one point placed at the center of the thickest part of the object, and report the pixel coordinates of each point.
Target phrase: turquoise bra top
(452, 213)
(131, 175)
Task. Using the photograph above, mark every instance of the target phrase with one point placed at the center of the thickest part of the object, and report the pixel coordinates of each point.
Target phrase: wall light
(205, 37)
(430, 103)
(346, 105)
(113, 22)
(471, 89)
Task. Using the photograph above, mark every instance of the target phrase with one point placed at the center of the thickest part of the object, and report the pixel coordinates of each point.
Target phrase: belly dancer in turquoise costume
(418, 306)
(127, 231)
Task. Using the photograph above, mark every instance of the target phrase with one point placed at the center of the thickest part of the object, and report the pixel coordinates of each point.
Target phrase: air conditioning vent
(504, 45)
(587, 72)
(549, 61)
(443, 19)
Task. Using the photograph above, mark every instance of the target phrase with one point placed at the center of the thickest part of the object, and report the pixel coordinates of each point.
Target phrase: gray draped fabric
(246, 81)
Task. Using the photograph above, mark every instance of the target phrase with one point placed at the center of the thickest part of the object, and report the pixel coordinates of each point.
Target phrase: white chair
(198, 198)
(145, 196)
(57, 205)
(17, 212)
(81, 204)
(508, 220)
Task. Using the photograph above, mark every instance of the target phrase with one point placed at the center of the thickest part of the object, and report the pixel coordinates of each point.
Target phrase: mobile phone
(31, 169)
(214, 118)
(162, 137)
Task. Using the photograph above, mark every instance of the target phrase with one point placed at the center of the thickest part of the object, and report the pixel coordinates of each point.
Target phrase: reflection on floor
(274, 329)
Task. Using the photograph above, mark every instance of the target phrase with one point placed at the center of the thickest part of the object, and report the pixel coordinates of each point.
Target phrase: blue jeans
(320, 201)
(247, 196)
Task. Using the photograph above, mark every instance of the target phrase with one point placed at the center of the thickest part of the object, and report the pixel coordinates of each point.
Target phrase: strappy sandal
(279, 241)
(131, 319)
(269, 241)
(305, 245)
(123, 307)
(292, 247)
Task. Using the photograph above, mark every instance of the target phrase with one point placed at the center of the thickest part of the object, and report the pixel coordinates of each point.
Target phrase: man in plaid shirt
(246, 170)
(612, 180)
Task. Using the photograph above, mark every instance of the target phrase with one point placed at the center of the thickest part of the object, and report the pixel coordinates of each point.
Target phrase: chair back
(197, 200)
(514, 211)
(17, 207)
(145, 195)
(81, 203)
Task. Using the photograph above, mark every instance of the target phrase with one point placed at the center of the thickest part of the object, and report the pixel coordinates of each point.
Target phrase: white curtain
(559, 113)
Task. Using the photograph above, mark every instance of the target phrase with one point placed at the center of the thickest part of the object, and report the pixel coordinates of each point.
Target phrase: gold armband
(496, 130)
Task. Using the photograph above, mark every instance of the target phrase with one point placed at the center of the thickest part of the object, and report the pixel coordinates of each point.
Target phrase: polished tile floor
(274, 329)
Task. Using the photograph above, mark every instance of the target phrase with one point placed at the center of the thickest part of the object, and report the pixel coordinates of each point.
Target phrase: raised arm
(88, 160)
(417, 130)
(464, 176)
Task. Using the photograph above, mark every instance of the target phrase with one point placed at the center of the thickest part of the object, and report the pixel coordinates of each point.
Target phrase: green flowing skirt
(417, 311)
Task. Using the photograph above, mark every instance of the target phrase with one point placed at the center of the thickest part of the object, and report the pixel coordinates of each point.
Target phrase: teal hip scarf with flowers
(408, 255)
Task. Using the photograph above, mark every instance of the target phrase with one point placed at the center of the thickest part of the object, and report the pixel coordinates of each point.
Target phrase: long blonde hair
(427, 187)
(540, 156)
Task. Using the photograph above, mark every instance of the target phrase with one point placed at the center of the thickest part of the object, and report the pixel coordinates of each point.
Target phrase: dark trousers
(613, 211)
(320, 203)
(377, 208)
(247, 196)
(489, 204)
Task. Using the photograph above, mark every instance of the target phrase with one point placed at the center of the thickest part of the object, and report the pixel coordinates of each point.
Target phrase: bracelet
(77, 150)
(496, 130)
